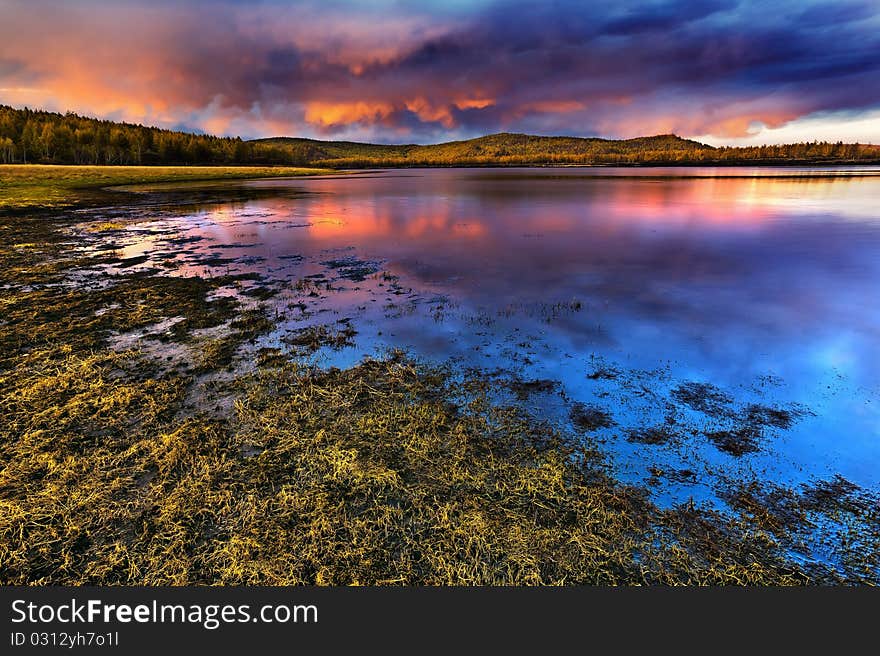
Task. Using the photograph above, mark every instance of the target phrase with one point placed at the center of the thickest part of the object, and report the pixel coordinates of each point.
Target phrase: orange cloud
(474, 103)
(329, 114)
(553, 106)
(743, 125)
(428, 112)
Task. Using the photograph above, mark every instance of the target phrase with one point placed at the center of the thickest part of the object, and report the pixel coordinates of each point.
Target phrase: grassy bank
(44, 186)
(120, 466)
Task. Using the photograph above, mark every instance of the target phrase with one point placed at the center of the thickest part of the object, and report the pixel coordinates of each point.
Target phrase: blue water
(762, 282)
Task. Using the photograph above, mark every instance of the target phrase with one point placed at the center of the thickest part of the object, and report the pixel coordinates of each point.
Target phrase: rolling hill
(495, 149)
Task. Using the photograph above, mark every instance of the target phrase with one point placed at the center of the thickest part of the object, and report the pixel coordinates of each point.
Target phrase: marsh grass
(589, 418)
(84, 318)
(362, 476)
(219, 353)
(306, 341)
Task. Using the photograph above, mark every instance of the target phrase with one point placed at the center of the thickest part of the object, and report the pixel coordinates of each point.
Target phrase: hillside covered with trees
(29, 136)
(37, 137)
(521, 149)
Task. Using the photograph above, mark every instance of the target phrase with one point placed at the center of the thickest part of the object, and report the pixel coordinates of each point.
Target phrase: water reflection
(760, 275)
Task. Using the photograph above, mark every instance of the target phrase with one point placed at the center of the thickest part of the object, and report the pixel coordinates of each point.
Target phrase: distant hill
(494, 149)
(30, 136)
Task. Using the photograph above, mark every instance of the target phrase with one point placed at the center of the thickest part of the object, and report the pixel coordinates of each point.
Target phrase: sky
(732, 72)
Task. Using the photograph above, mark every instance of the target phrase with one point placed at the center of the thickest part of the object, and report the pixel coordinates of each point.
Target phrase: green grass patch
(29, 186)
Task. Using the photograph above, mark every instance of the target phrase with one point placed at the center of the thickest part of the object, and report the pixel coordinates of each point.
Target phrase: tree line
(32, 136)
(37, 137)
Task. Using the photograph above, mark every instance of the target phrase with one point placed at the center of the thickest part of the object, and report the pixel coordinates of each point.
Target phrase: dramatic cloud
(422, 71)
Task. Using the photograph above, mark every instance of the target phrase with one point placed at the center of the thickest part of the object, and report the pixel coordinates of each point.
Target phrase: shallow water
(621, 285)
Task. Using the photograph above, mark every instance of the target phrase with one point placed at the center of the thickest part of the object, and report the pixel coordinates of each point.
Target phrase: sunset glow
(726, 71)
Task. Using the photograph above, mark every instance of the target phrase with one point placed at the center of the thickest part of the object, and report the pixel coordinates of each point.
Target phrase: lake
(702, 323)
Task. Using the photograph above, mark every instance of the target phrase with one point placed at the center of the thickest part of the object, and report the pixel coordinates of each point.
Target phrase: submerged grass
(119, 468)
(306, 341)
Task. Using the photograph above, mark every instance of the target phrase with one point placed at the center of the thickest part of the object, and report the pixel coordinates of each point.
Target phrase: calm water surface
(620, 284)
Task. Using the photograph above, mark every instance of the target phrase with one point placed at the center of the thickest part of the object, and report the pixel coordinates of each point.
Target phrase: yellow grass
(24, 186)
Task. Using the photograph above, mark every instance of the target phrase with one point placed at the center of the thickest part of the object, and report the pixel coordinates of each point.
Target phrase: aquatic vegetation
(738, 441)
(311, 338)
(86, 317)
(736, 431)
(589, 418)
(271, 357)
(367, 475)
(219, 353)
(352, 268)
(603, 372)
(525, 388)
(843, 518)
(652, 435)
(106, 226)
(703, 397)
(686, 476)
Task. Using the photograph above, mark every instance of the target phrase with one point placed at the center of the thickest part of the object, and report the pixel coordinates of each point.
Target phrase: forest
(37, 137)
